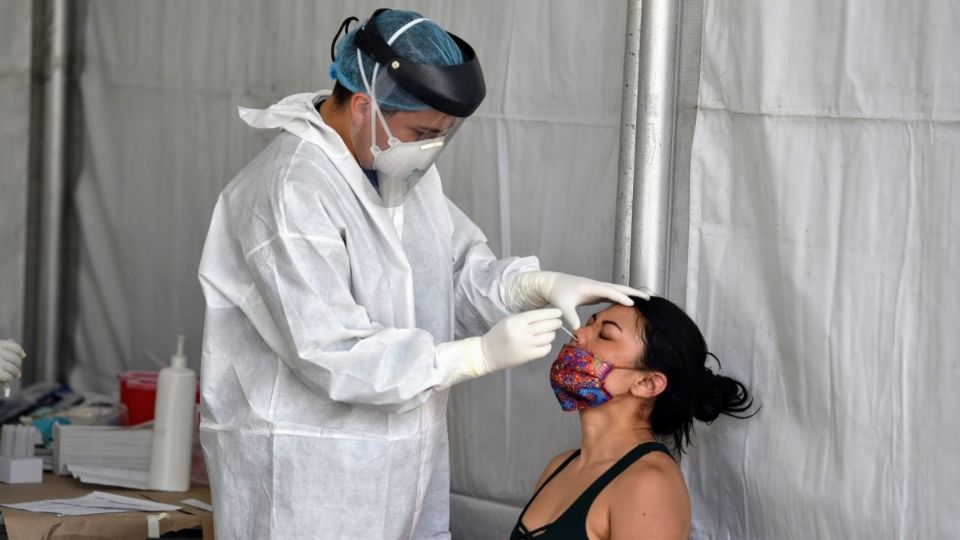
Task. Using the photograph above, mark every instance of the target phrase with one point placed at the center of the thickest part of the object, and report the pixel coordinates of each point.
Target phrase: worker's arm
(479, 277)
(327, 338)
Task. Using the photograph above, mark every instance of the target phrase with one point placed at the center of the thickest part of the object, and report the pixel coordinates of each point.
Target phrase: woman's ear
(649, 385)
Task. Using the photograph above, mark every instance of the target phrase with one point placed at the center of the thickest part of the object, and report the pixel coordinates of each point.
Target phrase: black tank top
(572, 523)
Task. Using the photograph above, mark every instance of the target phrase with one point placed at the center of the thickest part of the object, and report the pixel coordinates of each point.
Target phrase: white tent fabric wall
(160, 86)
(15, 37)
(536, 169)
(823, 262)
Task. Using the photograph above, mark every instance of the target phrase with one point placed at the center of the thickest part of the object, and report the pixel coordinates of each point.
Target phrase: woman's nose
(580, 334)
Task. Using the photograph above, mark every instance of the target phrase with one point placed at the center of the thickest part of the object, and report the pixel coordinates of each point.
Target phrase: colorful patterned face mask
(577, 377)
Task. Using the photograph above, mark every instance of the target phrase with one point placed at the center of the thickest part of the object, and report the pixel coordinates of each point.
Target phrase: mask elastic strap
(403, 29)
(391, 140)
(375, 113)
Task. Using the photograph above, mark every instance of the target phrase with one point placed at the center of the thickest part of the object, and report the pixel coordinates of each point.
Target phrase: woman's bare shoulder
(553, 465)
(560, 458)
(654, 471)
(651, 494)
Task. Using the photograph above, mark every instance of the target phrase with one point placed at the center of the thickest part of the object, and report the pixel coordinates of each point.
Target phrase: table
(24, 525)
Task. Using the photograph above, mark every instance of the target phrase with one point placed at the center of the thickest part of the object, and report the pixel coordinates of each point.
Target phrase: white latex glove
(11, 358)
(530, 290)
(511, 342)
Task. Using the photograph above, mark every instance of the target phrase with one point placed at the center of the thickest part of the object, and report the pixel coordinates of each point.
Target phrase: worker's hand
(11, 358)
(537, 289)
(518, 339)
(511, 342)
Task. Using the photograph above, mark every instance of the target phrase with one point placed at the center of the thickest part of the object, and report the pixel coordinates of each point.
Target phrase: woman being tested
(636, 374)
(346, 294)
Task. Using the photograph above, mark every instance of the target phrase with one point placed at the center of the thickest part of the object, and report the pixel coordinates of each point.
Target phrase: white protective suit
(324, 409)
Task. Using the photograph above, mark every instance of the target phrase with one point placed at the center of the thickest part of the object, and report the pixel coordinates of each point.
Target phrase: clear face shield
(403, 136)
(414, 111)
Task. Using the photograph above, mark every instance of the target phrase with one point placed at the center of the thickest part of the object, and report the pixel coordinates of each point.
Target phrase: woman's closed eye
(610, 330)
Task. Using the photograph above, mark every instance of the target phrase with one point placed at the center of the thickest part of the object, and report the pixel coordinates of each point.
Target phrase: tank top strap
(578, 510)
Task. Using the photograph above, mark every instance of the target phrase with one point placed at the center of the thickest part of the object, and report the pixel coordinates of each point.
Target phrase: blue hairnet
(424, 42)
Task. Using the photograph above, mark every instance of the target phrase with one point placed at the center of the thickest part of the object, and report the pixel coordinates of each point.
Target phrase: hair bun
(717, 394)
(707, 399)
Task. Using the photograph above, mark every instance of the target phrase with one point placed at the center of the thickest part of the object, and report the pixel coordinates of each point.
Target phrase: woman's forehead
(625, 315)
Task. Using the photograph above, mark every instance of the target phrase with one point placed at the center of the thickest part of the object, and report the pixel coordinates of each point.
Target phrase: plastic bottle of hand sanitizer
(173, 425)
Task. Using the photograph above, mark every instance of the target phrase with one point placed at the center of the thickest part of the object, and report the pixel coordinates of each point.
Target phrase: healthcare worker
(346, 294)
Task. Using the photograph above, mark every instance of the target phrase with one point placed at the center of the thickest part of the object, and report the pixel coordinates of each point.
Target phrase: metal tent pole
(656, 122)
(628, 138)
(50, 26)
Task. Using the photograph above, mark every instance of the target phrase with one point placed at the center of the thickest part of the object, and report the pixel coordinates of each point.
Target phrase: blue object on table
(45, 426)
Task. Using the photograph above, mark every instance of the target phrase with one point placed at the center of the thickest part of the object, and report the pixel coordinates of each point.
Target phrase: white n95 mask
(401, 166)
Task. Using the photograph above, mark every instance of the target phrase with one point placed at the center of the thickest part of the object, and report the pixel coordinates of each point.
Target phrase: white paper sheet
(96, 502)
(199, 504)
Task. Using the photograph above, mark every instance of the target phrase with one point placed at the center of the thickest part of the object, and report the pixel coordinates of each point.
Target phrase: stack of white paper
(45, 453)
(116, 448)
(96, 502)
(110, 476)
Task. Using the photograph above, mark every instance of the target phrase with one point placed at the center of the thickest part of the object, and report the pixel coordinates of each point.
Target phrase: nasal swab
(564, 328)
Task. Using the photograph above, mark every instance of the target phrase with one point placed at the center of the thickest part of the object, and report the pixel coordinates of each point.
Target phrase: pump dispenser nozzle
(178, 359)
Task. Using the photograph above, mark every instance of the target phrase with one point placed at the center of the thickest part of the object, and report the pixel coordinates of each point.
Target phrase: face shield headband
(456, 90)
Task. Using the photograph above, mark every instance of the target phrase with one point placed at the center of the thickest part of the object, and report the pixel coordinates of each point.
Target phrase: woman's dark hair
(674, 346)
